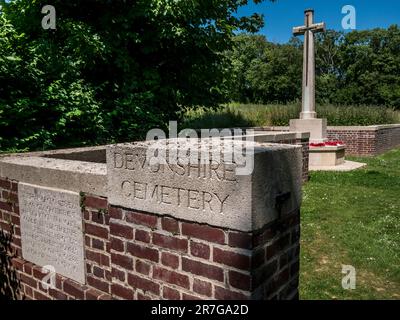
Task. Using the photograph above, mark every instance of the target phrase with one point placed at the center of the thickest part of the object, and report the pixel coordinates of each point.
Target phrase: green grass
(352, 218)
(241, 115)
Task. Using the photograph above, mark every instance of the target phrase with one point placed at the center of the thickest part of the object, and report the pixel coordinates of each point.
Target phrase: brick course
(367, 142)
(137, 255)
(360, 141)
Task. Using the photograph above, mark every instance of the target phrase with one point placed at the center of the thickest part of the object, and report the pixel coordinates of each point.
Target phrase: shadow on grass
(220, 118)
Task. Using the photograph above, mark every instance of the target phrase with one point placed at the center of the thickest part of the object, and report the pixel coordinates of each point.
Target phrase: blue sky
(282, 15)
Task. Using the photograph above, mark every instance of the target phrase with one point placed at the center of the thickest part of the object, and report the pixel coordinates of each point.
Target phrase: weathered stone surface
(271, 136)
(209, 193)
(316, 128)
(69, 175)
(51, 229)
(327, 156)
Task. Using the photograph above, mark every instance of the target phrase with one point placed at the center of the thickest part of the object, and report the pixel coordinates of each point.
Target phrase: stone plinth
(210, 192)
(316, 128)
(327, 156)
(167, 230)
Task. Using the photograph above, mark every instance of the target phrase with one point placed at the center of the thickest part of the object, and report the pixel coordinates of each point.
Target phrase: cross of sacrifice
(308, 97)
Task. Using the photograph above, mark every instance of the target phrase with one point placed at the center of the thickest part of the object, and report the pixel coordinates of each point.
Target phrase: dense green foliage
(112, 69)
(242, 115)
(265, 72)
(356, 68)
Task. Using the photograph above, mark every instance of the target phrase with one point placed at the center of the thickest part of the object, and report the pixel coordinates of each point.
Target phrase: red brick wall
(367, 142)
(360, 142)
(159, 257)
(30, 275)
(387, 139)
(9, 212)
(136, 255)
(97, 243)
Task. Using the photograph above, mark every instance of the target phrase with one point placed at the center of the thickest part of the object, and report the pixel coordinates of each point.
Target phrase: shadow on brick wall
(9, 283)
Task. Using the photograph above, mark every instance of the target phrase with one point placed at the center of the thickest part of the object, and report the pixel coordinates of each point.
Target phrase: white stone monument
(308, 117)
(324, 157)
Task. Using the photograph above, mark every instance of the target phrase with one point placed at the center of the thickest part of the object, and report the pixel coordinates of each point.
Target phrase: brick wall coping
(346, 128)
(280, 132)
(56, 173)
(72, 152)
(248, 197)
(273, 136)
(279, 136)
(365, 128)
(95, 178)
(272, 128)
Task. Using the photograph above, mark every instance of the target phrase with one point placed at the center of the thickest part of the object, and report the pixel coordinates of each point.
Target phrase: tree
(264, 72)
(111, 70)
(370, 61)
(328, 67)
(356, 68)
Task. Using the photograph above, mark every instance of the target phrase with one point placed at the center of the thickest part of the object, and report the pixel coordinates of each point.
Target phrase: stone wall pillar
(185, 232)
(173, 230)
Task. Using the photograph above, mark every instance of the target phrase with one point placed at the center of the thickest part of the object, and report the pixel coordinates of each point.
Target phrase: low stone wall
(367, 141)
(304, 141)
(248, 251)
(360, 140)
(97, 253)
(286, 137)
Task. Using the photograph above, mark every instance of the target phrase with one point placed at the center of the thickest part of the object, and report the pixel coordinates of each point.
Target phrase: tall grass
(242, 115)
(358, 115)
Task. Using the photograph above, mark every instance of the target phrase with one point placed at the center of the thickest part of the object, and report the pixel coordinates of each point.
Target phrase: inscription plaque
(207, 191)
(51, 229)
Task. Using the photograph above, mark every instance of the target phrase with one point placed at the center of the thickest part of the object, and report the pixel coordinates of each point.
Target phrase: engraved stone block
(51, 229)
(208, 191)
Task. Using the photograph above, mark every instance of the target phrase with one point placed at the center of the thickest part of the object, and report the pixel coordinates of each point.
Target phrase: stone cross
(308, 97)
